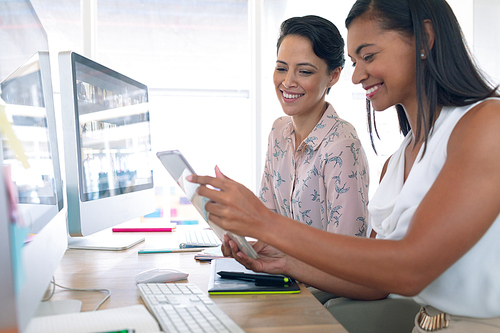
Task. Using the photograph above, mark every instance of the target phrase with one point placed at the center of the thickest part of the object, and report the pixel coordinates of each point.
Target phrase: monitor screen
(113, 122)
(29, 149)
(27, 100)
(107, 145)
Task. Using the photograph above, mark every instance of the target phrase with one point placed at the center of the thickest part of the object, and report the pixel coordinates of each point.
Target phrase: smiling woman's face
(301, 78)
(384, 64)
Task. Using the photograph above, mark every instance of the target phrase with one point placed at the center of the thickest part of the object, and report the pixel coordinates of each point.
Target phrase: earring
(422, 55)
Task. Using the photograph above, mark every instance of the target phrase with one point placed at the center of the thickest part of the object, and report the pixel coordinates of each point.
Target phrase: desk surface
(116, 271)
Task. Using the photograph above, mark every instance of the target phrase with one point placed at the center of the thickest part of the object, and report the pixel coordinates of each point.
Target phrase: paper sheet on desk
(136, 317)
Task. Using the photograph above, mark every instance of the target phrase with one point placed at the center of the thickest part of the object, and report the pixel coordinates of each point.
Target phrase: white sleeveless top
(471, 286)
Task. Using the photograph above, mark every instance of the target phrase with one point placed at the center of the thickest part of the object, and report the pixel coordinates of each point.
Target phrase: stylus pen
(143, 229)
(174, 250)
(261, 278)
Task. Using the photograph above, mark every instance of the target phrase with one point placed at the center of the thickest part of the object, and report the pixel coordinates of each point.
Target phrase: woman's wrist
(271, 228)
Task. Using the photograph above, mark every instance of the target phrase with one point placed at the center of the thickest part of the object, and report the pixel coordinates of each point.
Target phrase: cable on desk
(54, 284)
(51, 292)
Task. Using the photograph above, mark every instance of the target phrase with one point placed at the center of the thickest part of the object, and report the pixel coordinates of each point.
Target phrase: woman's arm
(274, 261)
(457, 210)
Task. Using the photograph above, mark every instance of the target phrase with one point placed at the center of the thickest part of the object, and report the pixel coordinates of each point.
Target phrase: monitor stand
(105, 240)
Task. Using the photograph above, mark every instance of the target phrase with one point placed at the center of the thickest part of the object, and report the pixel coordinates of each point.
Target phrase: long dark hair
(447, 76)
(327, 43)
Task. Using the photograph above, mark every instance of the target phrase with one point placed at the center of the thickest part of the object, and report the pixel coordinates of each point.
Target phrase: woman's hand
(273, 261)
(233, 207)
(270, 259)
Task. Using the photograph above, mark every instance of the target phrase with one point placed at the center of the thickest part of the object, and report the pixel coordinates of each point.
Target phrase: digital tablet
(179, 169)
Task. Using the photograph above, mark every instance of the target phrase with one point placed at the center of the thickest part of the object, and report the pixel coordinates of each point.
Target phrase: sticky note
(11, 136)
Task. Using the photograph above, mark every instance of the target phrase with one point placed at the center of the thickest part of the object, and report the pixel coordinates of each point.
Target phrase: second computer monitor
(29, 151)
(107, 145)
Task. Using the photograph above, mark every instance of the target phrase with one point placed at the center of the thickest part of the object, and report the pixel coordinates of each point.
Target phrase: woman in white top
(436, 214)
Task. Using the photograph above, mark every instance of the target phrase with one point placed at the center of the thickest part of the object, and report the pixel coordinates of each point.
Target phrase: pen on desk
(173, 250)
(143, 229)
(261, 278)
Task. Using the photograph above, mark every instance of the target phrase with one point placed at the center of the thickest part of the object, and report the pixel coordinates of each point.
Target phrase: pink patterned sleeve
(346, 180)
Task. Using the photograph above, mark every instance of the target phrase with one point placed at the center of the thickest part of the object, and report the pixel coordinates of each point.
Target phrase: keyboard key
(183, 307)
(199, 238)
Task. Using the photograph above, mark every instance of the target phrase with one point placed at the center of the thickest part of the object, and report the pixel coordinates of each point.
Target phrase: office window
(175, 44)
(61, 21)
(19, 22)
(194, 56)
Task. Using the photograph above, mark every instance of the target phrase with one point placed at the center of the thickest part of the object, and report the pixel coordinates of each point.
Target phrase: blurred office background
(209, 66)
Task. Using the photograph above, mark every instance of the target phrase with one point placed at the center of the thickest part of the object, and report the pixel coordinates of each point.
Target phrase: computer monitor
(107, 152)
(8, 319)
(30, 262)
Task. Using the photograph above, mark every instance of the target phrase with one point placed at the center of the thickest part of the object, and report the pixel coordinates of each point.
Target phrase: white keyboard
(197, 237)
(183, 307)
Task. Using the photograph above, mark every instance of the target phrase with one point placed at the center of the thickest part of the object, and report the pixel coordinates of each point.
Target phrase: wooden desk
(116, 271)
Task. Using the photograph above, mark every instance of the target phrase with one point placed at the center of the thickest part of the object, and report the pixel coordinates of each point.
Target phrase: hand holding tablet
(179, 169)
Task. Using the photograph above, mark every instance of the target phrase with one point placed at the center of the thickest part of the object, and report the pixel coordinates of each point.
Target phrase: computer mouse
(160, 275)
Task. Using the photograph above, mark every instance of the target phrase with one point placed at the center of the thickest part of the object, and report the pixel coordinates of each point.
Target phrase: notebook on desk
(134, 317)
(219, 286)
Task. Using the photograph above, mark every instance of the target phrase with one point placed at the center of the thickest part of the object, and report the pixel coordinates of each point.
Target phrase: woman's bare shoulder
(479, 128)
(485, 111)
